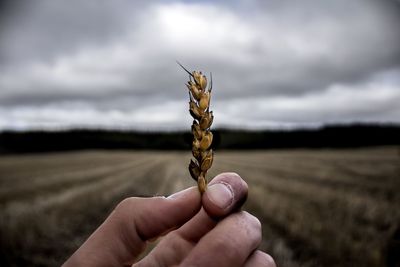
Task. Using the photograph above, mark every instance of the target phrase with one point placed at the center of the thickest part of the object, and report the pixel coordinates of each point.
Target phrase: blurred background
(306, 102)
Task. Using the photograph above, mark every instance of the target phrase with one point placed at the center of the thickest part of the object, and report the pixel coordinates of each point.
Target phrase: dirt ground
(317, 207)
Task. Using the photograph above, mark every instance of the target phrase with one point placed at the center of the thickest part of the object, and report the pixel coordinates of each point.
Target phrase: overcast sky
(111, 64)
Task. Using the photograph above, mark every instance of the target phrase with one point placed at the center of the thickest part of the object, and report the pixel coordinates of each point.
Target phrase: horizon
(221, 128)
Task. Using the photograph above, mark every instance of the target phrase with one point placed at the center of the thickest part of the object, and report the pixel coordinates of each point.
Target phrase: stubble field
(317, 207)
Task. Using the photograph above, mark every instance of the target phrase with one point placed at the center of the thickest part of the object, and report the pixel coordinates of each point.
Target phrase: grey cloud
(43, 30)
(120, 56)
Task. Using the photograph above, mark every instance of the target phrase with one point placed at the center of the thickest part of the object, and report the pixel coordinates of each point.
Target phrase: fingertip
(226, 192)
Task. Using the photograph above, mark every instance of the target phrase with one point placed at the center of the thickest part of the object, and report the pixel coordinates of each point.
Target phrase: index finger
(123, 235)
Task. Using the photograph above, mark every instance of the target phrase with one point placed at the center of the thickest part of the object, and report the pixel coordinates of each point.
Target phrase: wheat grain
(199, 107)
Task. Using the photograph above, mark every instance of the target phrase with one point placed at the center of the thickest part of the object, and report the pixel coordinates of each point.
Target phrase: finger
(260, 259)
(226, 192)
(124, 233)
(224, 188)
(229, 244)
(174, 247)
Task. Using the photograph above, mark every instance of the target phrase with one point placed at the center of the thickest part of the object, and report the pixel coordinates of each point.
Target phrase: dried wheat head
(199, 108)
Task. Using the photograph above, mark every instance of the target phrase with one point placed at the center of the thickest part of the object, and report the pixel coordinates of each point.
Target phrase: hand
(199, 230)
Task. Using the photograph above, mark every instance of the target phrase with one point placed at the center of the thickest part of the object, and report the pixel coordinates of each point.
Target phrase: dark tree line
(334, 136)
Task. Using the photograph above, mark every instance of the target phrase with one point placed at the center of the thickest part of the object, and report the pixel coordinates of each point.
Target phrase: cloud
(367, 102)
(290, 63)
(81, 115)
(375, 100)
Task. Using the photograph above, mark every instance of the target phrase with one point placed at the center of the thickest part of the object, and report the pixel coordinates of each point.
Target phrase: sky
(275, 64)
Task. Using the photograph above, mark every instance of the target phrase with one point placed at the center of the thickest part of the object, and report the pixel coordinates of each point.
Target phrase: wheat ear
(199, 108)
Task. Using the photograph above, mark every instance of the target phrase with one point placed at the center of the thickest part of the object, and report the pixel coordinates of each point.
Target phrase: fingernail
(220, 194)
(180, 193)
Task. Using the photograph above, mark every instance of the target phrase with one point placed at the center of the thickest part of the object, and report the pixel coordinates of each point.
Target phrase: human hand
(205, 230)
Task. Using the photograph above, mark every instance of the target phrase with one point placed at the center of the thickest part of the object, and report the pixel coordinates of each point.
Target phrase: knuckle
(249, 226)
(125, 206)
(252, 221)
(253, 227)
(228, 247)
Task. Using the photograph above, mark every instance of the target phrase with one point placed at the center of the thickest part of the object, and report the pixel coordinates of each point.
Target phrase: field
(317, 207)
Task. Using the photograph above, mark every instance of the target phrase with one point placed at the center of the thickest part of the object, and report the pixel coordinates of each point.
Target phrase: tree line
(331, 136)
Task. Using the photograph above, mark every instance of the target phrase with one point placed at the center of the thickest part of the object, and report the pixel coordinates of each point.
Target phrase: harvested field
(317, 207)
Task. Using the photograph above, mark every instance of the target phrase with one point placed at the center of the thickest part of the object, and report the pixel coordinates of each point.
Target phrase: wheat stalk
(199, 107)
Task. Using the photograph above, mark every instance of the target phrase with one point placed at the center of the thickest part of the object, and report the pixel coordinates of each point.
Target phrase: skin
(197, 230)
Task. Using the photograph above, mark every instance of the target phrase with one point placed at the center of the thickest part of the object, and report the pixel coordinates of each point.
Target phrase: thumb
(122, 237)
(226, 193)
